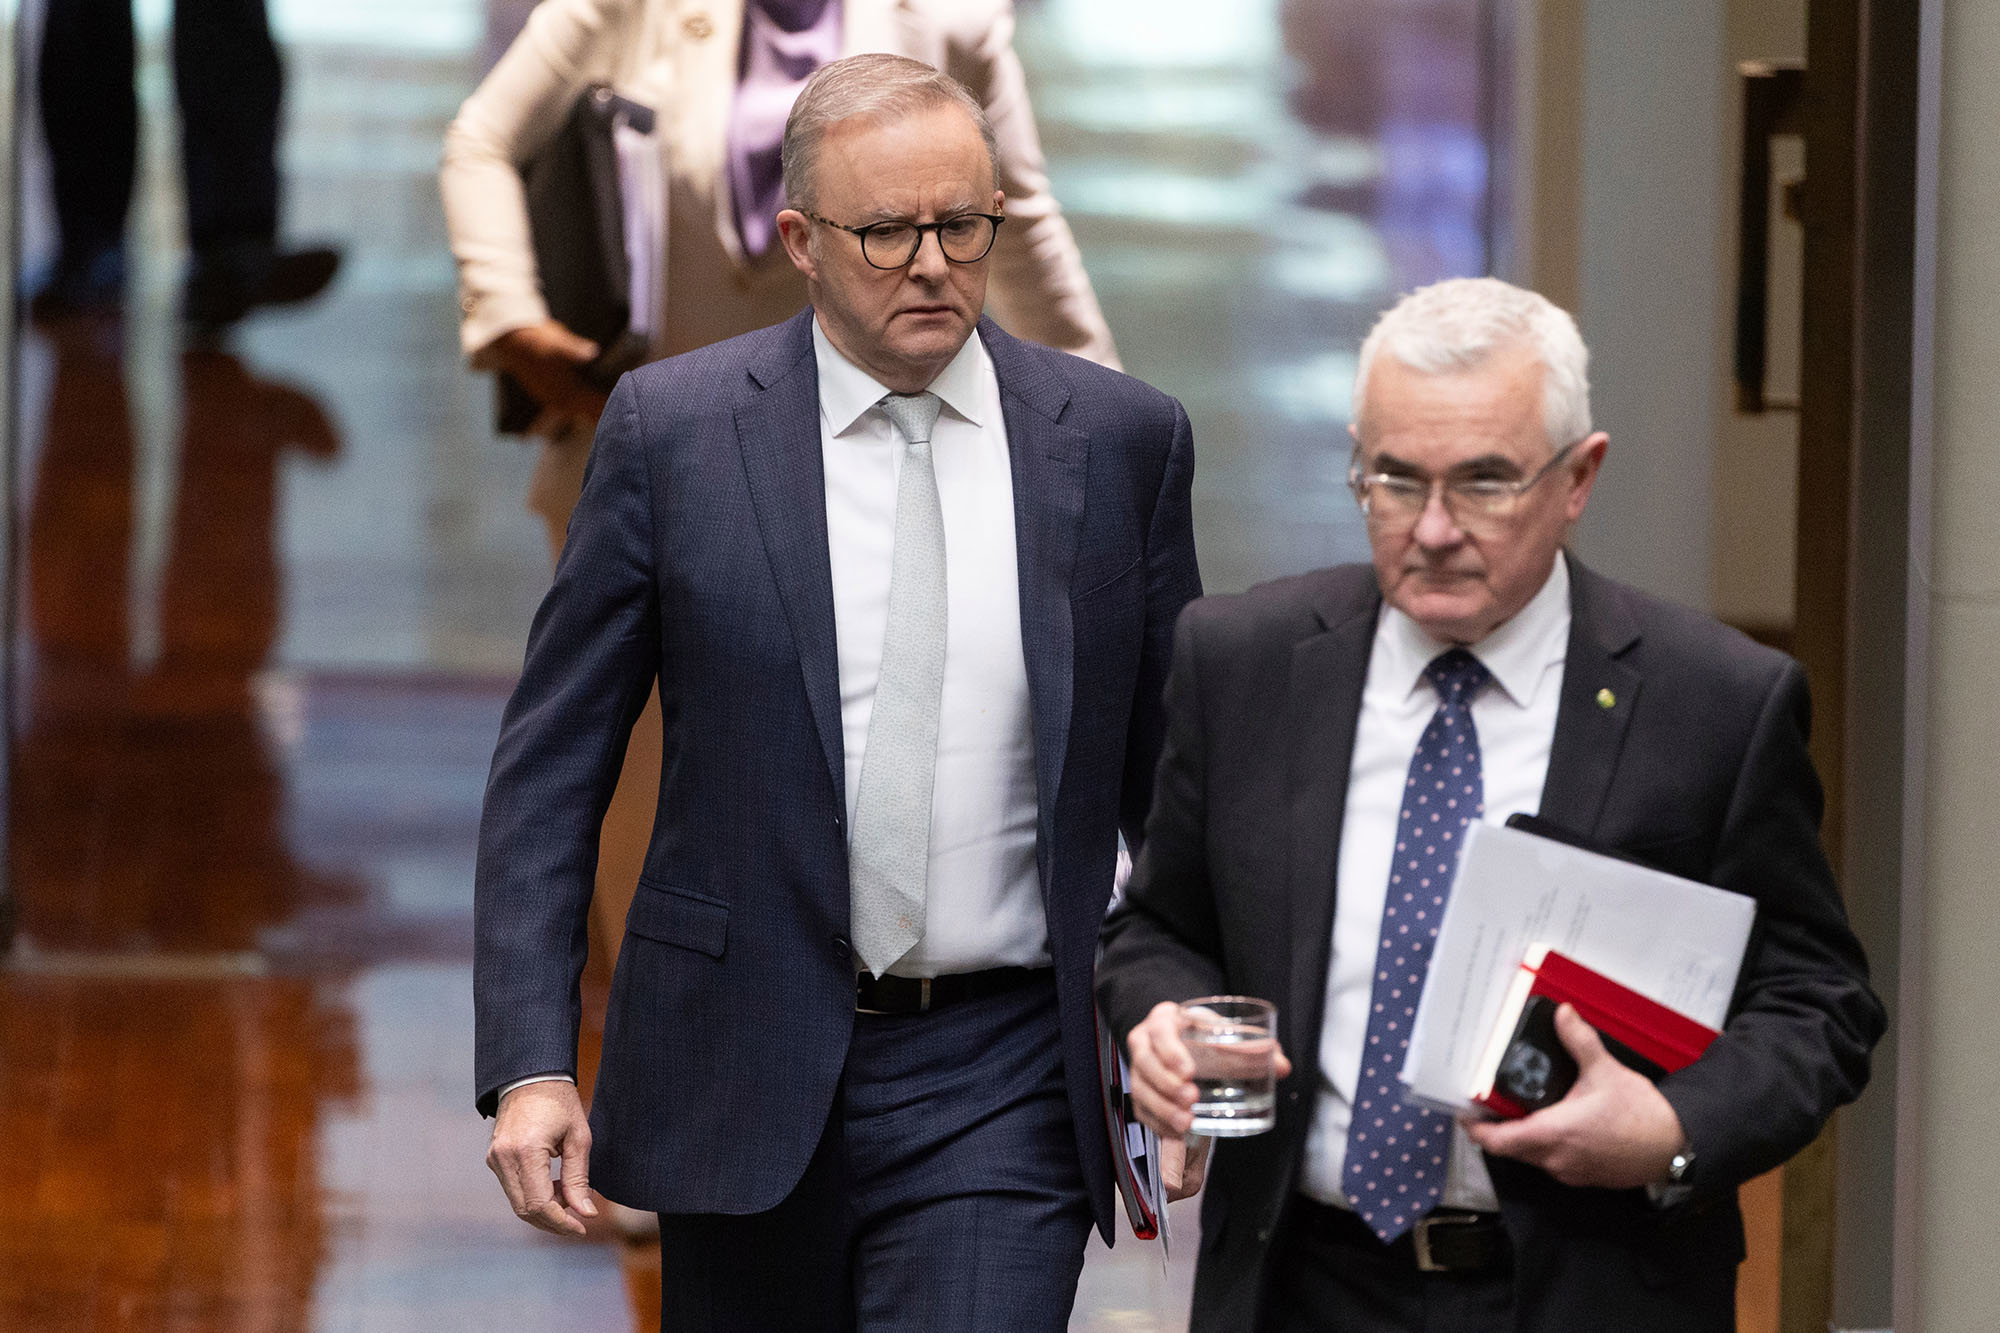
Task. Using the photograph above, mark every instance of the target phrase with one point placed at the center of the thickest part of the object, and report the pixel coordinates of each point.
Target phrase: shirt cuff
(532, 1078)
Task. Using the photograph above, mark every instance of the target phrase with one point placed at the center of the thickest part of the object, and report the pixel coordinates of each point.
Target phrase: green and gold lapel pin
(1606, 699)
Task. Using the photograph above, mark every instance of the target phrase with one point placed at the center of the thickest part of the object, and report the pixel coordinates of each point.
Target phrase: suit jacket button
(842, 947)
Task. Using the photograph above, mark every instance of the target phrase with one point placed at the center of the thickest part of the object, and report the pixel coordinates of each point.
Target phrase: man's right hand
(1163, 1071)
(548, 360)
(536, 1123)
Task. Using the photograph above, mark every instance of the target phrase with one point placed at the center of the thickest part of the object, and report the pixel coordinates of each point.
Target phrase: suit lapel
(1048, 461)
(1599, 693)
(777, 432)
(1322, 709)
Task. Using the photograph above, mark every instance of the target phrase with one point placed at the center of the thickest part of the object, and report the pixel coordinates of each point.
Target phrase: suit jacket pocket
(680, 918)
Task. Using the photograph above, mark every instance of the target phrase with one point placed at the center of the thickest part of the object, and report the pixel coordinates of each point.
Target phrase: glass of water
(1234, 1042)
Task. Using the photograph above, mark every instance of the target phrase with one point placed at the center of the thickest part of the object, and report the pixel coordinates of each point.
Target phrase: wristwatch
(1681, 1167)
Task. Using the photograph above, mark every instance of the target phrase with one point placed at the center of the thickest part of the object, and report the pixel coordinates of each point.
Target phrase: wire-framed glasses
(965, 239)
(1394, 499)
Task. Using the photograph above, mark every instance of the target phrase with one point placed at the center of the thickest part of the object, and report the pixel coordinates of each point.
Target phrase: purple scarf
(784, 41)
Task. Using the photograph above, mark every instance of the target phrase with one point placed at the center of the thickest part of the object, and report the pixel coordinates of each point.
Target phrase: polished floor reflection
(273, 591)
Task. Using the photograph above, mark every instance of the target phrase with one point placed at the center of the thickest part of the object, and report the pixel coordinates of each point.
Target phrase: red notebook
(1526, 1066)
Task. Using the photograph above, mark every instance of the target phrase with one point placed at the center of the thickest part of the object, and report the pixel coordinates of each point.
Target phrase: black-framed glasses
(1396, 498)
(964, 239)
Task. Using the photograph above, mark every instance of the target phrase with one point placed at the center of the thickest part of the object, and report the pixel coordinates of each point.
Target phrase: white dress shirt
(983, 901)
(1515, 715)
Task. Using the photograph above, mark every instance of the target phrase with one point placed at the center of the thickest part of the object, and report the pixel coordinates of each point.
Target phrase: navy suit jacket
(698, 557)
(1694, 761)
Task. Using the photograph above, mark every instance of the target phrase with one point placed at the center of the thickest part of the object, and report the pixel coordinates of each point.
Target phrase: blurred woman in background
(720, 77)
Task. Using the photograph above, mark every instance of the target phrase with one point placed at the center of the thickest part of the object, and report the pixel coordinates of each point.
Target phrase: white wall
(1651, 242)
(1949, 1172)
(1757, 457)
(1620, 214)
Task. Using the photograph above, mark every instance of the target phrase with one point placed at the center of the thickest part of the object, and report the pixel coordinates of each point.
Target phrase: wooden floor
(273, 592)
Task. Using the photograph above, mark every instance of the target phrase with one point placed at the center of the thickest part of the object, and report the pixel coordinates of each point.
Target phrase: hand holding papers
(1135, 1149)
(1613, 1130)
(1672, 940)
(1158, 1093)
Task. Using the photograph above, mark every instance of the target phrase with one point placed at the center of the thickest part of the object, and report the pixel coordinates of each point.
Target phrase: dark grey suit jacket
(1700, 767)
(698, 557)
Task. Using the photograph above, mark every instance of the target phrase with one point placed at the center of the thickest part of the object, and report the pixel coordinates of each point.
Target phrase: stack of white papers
(1671, 939)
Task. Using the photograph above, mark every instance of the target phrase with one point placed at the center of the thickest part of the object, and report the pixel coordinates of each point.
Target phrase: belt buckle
(1420, 1236)
(923, 997)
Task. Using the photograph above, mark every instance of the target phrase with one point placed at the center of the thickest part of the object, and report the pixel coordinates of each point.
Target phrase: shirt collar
(1517, 654)
(846, 391)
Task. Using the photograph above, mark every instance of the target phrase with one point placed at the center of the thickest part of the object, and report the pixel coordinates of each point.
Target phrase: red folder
(1526, 1066)
(1134, 1150)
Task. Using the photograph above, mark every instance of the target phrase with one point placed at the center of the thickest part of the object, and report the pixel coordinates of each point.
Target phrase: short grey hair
(875, 86)
(1459, 324)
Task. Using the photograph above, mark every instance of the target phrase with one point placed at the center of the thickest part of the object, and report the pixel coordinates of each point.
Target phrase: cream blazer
(680, 58)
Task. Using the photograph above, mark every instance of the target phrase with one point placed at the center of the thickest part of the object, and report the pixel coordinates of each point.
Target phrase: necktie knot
(1456, 675)
(913, 414)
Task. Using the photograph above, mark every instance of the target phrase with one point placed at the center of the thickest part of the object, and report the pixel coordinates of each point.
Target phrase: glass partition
(10, 158)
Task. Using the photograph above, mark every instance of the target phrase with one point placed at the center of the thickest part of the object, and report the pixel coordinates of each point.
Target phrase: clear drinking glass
(1233, 1039)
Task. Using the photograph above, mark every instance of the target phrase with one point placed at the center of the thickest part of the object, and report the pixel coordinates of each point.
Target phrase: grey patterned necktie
(888, 855)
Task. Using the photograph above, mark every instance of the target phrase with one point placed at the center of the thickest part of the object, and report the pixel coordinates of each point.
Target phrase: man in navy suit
(908, 593)
(1330, 737)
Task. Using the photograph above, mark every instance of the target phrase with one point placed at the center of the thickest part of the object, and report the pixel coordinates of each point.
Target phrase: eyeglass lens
(893, 244)
(1403, 499)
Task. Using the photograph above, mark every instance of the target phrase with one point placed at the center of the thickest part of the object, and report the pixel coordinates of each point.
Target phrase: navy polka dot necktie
(1395, 1150)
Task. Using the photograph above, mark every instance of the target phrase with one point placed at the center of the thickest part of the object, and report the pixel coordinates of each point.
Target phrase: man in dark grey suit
(1330, 738)
(907, 585)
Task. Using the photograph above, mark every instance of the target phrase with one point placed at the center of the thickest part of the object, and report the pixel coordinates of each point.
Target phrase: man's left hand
(1613, 1130)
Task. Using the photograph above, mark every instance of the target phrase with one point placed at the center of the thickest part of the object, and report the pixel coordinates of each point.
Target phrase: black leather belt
(917, 995)
(1449, 1240)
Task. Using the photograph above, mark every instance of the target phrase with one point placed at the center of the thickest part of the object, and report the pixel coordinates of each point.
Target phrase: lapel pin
(1606, 699)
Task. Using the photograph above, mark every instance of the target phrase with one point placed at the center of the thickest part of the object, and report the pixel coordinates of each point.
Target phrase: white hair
(1459, 324)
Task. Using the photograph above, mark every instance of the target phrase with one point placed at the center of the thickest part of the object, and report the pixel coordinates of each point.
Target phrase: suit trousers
(945, 1192)
(228, 82)
(1355, 1284)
